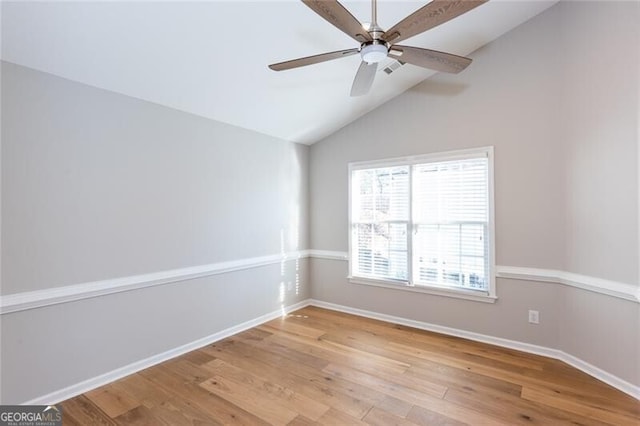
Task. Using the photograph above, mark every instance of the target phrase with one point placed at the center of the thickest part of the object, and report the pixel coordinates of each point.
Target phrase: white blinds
(380, 217)
(451, 214)
(426, 223)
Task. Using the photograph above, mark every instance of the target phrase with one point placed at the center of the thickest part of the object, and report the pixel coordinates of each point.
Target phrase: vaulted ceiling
(210, 58)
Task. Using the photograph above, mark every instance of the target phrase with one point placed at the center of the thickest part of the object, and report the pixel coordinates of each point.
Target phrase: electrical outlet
(534, 317)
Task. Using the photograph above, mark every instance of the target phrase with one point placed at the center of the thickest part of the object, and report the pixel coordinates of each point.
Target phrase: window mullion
(410, 231)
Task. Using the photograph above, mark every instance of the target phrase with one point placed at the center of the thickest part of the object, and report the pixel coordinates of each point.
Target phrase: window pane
(451, 191)
(451, 255)
(380, 195)
(451, 210)
(380, 250)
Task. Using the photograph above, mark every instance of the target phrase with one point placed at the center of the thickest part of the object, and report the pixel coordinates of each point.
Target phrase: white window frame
(488, 295)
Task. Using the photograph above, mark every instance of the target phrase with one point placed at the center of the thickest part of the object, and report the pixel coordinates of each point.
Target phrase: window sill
(457, 294)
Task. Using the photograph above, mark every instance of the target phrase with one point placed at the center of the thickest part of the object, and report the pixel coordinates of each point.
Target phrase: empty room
(320, 212)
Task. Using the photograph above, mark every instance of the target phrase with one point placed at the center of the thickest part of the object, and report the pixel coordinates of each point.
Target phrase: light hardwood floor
(323, 367)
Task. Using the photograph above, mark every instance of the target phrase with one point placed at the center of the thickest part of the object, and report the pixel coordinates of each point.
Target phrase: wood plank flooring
(323, 367)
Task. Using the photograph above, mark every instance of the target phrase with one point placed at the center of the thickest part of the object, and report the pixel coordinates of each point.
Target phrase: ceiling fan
(377, 44)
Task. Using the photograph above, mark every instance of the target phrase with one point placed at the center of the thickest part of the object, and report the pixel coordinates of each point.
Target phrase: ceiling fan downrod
(374, 16)
(376, 50)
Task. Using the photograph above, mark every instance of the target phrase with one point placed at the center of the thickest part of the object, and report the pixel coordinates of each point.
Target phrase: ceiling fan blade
(309, 60)
(364, 78)
(433, 14)
(336, 14)
(432, 59)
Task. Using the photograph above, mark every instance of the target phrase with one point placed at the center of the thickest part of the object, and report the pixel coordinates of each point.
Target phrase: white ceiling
(210, 58)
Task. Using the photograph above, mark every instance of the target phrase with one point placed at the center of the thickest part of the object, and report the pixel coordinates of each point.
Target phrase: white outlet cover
(534, 317)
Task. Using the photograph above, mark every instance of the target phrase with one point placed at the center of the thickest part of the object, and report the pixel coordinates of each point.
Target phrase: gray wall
(599, 97)
(599, 106)
(95, 186)
(558, 98)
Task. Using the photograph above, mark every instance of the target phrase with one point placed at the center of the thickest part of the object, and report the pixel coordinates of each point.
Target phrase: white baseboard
(574, 361)
(95, 382)
(600, 374)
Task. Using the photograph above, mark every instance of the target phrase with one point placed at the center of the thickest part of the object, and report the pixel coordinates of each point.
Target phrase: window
(424, 223)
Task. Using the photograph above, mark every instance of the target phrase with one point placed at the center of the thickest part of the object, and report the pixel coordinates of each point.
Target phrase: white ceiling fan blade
(364, 78)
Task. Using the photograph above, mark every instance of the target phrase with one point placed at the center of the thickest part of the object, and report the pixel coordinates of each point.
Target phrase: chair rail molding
(35, 299)
(51, 296)
(598, 285)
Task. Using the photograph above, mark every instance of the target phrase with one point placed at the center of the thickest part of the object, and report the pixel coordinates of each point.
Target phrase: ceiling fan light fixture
(374, 53)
